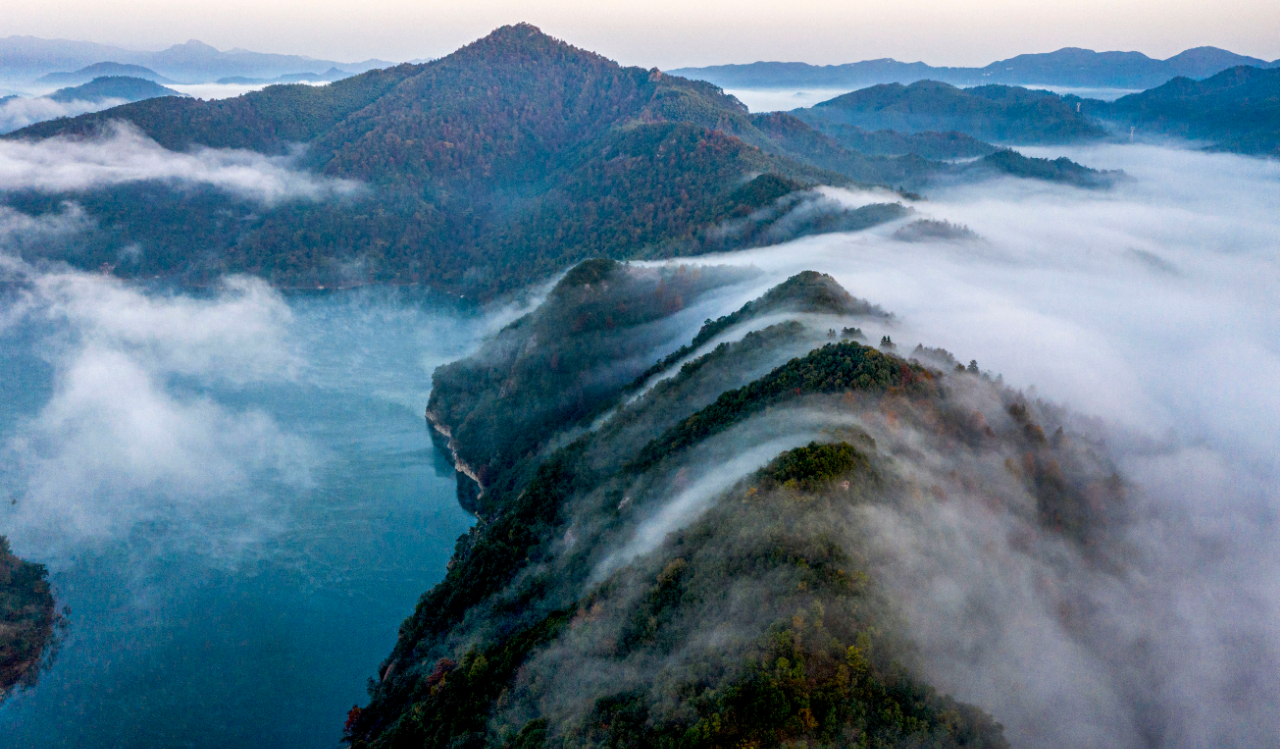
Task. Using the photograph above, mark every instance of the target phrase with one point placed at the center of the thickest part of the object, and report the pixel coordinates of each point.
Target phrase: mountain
(27, 57)
(690, 554)
(114, 87)
(993, 113)
(1236, 110)
(929, 145)
(197, 61)
(27, 619)
(330, 75)
(99, 70)
(1067, 67)
(509, 160)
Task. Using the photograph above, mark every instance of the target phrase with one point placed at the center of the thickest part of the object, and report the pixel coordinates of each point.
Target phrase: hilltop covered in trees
(1002, 114)
(110, 87)
(688, 559)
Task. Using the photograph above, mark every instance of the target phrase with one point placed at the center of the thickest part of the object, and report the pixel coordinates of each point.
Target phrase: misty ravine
(235, 495)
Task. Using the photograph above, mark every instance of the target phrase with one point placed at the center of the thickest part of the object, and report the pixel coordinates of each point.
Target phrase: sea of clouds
(1147, 310)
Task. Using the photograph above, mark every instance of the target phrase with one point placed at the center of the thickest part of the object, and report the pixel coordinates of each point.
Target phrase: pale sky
(671, 33)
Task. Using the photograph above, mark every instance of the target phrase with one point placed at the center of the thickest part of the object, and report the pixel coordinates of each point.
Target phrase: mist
(122, 154)
(127, 438)
(19, 112)
(1148, 312)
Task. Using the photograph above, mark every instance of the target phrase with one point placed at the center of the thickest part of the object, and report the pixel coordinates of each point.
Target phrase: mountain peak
(195, 44)
(520, 37)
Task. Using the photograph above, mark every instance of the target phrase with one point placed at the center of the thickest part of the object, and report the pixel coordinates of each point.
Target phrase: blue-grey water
(236, 496)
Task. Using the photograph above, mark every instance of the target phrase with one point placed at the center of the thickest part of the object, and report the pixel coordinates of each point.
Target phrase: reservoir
(236, 496)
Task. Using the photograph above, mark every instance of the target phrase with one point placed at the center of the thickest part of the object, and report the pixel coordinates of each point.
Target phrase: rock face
(27, 619)
(698, 552)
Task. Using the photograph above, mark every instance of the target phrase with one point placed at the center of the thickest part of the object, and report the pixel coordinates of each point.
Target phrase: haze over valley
(515, 397)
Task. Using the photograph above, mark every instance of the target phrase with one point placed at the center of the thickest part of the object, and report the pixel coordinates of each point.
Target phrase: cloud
(123, 155)
(1148, 310)
(19, 112)
(133, 437)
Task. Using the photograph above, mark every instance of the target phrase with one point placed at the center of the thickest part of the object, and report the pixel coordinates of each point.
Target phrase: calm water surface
(259, 629)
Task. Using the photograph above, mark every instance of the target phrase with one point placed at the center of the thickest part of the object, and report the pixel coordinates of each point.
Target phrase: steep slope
(1001, 114)
(700, 568)
(1237, 110)
(114, 87)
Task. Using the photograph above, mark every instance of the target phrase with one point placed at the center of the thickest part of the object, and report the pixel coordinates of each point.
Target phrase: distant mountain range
(24, 58)
(330, 75)
(100, 69)
(1067, 67)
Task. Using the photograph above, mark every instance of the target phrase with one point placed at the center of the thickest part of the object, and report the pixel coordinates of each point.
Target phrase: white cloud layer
(16, 114)
(1151, 307)
(130, 438)
(124, 155)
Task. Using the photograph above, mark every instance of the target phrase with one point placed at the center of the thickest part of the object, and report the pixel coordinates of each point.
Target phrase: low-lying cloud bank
(130, 439)
(20, 112)
(124, 155)
(1149, 311)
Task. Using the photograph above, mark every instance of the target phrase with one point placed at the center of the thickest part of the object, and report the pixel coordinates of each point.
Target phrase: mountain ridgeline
(1068, 67)
(1005, 114)
(511, 159)
(1237, 110)
(686, 554)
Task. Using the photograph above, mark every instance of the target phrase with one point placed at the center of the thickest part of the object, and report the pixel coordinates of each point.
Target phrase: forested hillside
(685, 559)
(1002, 114)
(1236, 110)
(114, 87)
(506, 161)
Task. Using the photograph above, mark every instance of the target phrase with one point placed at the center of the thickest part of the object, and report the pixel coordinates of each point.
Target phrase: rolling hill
(1002, 114)
(114, 87)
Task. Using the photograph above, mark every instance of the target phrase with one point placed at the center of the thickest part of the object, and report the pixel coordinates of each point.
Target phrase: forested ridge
(1237, 110)
(760, 621)
(1003, 114)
